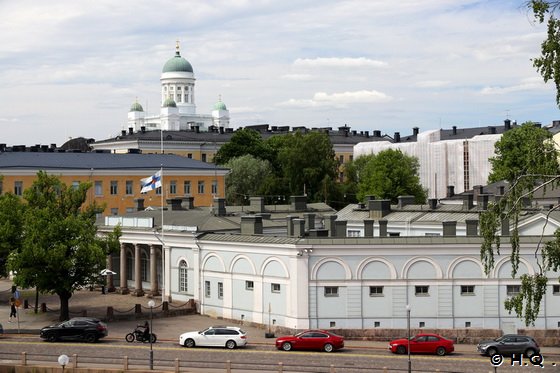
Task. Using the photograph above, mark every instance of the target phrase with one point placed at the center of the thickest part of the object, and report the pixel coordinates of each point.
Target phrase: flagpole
(162, 240)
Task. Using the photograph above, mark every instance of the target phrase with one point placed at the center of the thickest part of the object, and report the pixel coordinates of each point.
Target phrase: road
(109, 353)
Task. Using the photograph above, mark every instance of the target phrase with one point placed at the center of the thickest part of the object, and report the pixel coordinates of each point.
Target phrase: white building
(178, 108)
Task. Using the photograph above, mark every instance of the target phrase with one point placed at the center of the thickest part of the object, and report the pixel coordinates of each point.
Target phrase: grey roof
(282, 240)
(99, 161)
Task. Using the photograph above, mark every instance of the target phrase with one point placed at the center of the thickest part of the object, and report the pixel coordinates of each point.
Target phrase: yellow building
(115, 178)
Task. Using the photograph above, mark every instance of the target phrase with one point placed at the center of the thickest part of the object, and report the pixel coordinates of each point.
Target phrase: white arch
(238, 258)
(331, 259)
(213, 255)
(181, 258)
(367, 261)
(275, 259)
(455, 262)
(498, 265)
(410, 262)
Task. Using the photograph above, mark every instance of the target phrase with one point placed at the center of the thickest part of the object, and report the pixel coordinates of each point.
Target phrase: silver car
(215, 336)
(509, 344)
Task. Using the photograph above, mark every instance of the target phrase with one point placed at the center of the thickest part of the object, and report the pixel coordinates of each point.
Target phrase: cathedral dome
(177, 64)
(220, 106)
(136, 107)
(169, 103)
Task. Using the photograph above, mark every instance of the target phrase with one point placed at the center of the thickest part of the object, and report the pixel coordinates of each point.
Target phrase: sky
(73, 68)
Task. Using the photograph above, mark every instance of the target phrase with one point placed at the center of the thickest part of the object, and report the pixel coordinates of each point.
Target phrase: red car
(311, 340)
(424, 344)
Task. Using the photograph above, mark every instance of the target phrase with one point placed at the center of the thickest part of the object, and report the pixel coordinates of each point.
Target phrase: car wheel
(129, 337)
(440, 351)
(189, 343)
(401, 350)
(328, 347)
(286, 346)
(90, 338)
(530, 352)
(492, 351)
(231, 344)
(52, 337)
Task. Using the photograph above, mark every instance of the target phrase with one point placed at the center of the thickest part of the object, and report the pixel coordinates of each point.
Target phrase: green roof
(177, 63)
(169, 103)
(136, 107)
(220, 106)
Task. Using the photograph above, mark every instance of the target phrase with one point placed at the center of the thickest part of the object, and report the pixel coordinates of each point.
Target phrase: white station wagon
(215, 336)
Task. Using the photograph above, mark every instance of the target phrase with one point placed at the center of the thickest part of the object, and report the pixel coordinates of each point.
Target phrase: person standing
(13, 310)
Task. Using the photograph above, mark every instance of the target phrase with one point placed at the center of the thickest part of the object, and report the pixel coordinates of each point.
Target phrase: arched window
(183, 282)
(144, 266)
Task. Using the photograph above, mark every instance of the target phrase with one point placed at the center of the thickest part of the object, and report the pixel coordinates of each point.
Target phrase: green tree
(60, 251)
(548, 64)
(11, 233)
(308, 164)
(388, 175)
(246, 177)
(244, 141)
(526, 158)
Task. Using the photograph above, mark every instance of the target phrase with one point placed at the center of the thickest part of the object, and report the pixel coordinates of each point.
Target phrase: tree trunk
(64, 297)
(36, 300)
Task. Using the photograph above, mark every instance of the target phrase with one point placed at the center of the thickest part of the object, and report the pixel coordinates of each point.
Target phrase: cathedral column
(138, 271)
(123, 289)
(153, 271)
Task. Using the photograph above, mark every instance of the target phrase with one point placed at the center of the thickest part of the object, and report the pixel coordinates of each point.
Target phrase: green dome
(177, 63)
(169, 103)
(220, 106)
(136, 107)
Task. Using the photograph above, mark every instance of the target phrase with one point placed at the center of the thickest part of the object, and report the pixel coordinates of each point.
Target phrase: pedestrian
(13, 311)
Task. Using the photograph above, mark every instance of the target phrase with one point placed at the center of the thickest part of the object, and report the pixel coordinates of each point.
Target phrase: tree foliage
(60, 251)
(388, 175)
(244, 141)
(11, 232)
(527, 159)
(246, 178)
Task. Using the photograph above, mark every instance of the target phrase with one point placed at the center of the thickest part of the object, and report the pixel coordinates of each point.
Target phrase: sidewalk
(167, 329)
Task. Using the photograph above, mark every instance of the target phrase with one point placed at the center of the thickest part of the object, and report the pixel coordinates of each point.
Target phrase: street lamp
(63, 360)
(408, 340)
(151, 304)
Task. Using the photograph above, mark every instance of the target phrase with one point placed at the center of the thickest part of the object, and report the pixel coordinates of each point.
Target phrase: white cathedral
(178, 109)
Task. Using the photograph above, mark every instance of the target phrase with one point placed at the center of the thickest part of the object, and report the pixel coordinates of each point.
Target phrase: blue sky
(73, 68)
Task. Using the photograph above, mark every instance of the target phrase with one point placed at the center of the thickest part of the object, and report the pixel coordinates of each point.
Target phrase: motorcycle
(139, 335)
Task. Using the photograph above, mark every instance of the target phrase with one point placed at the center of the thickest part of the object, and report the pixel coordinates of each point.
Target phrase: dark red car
(311, 340)
(423, 344)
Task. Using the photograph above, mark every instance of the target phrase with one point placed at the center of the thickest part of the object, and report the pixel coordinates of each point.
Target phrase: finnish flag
(151, 182)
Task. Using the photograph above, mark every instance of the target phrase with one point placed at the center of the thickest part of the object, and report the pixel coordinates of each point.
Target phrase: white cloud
(300, 77)
(344, 62)
(432, 83)
(529, 84)
(344, 98)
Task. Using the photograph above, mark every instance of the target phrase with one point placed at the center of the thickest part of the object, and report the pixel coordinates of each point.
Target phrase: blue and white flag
(151, 182)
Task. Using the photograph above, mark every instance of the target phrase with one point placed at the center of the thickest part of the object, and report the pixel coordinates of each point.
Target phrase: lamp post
(63, 360)
(408, 340)
(151, 304)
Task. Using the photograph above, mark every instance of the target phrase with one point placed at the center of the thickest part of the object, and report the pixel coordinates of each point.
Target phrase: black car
(510, 344)
(86, 329)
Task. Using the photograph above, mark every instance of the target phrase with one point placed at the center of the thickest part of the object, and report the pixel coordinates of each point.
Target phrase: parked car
(1, 330)
(215, 336)
(423, 343)
(87, 329)
(311, 340)
(509, 344)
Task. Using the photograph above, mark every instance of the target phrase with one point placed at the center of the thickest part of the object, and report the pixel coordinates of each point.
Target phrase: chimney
(492, 130)
(340, 228)
(467, 201)
(251, 224)
(454, 130)
(505, 226)
(415, 131)
(143, 129)
(299, 203)
(450, 191)
(330, 225)
(368, 227)
(139, 204)
(449, 228)
(123, 133)
(432, 203)
(219, 208)
(188, 202)
(290, 225)
(197, 129)
(382, 228)
(404, 200)
(376, 133)
(130, 130)
(397, 137)
(299, 227)
(309, 220)
(379, 208)
(477, 189)
(175, 203)
(507, 124)
(256, 204)
(482, 202)
(472, 227)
